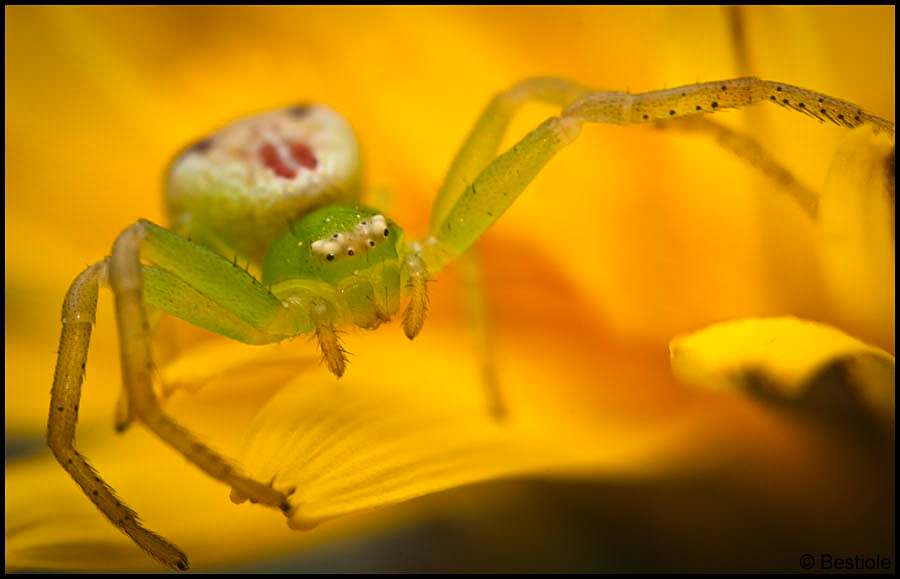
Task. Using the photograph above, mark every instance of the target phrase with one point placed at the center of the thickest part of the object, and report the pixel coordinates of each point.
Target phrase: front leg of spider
(469, 204)
(479, 187)
(78, 315)
(126, 281)
(187, 280)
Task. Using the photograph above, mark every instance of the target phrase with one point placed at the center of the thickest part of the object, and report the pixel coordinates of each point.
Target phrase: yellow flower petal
(50, 524)
(100, 99)
(857, 228)
(388, 432)
(375, 441)
(806, 364)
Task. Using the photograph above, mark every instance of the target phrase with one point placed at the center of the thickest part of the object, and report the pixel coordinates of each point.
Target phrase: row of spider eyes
(350, 252)
(349, 243)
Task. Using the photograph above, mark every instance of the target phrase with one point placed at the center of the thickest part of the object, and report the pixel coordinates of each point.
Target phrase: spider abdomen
(239, 188)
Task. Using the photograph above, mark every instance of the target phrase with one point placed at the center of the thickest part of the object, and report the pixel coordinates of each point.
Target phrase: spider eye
(349, 252)
(330, 257)
(386, 232)
(371, 243)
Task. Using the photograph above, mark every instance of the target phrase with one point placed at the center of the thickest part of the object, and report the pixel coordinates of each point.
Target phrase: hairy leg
(126, 280)
(79, 311)
(493, 190)
(202, 288)
(483, 142)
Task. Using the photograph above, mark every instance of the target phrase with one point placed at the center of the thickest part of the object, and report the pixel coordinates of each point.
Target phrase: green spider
(281, 190)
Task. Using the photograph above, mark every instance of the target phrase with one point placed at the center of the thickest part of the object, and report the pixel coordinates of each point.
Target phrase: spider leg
(476, 152)
(210, 291)
(711, 97)
(479, 315)
(78, 315)
(751, 151)
(483, 142)
(205, 271)
(197, 285)
(477, 189)
(123, 415)
(494, 189)
(417, 287)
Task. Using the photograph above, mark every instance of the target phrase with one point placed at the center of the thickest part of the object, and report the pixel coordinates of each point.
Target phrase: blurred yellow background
(629, 237)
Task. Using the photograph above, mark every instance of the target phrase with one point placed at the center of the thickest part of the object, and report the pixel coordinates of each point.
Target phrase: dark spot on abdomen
(201, 146)
(299, 111)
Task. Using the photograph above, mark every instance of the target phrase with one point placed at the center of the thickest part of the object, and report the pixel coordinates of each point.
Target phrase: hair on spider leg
(312, 338)
(334, 355)
(428, 280)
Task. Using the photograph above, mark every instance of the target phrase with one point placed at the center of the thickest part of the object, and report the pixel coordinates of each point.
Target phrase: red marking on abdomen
(303, 155)
(300, 155)
(272, 160)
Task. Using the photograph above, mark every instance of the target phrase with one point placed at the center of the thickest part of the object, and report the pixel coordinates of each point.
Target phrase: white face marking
(366, 235)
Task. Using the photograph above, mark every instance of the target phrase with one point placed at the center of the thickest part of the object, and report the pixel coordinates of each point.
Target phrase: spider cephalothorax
(348, 257)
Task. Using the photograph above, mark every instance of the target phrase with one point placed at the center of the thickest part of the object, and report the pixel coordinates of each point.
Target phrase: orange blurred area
(628, 238)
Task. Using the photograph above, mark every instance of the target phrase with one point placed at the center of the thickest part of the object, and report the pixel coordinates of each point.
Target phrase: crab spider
(281, 190)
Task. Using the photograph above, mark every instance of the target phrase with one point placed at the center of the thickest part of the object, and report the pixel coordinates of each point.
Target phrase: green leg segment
(495, 189)
(205, 289)
(186, 280)
(143, 239)
(483, 142)
(467, 206)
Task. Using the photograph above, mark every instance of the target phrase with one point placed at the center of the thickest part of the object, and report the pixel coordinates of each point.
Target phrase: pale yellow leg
(753, 153)
(79, 310)
(333, 353)
(479, 314)
(126, 281)
(417, 287)
(124, 414)
(123, 269)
